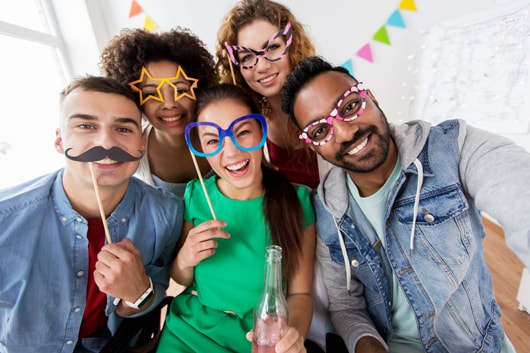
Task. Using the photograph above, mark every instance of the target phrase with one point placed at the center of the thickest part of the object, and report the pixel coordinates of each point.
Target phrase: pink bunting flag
(366, 53)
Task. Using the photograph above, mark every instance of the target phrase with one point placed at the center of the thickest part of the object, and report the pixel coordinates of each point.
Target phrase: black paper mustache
(98, 153)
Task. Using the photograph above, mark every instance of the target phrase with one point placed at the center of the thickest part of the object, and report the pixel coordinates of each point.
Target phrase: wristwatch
(144, 298)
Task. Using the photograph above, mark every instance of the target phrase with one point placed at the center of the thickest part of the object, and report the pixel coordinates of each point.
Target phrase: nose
(168, 96)
(228, 146)
(105, 138)
(343, 131)
(263, 64)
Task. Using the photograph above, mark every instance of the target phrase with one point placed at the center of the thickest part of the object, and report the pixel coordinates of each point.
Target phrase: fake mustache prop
(98, 153)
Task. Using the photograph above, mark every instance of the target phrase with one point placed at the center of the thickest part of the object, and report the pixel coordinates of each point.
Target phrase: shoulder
(29, 193)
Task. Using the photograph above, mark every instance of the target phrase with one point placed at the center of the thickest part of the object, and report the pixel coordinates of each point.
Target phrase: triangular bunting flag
(348, 65)
(396, 19)
(366, 53)
(407, 5)
(149, 24)
(135, 9)
(382, 35)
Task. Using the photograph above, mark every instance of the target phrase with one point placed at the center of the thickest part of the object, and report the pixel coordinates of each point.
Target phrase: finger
(213, 224)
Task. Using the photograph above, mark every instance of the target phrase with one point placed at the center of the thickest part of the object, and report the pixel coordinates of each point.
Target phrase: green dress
(214, 314)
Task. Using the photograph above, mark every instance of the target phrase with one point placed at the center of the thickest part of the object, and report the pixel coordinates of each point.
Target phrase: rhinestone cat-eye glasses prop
(275, 49)
(349, 107)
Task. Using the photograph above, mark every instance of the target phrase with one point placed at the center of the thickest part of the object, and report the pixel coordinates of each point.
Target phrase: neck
(83, 198)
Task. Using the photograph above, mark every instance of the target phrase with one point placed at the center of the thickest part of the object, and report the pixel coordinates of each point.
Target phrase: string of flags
(381, 35)
(365, 52)
(136, 9)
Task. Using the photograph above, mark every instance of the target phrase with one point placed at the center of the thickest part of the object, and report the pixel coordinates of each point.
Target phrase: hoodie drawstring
(419, 167)
(345, 257)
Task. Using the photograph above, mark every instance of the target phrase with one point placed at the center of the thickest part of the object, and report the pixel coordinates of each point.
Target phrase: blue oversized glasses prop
(205, 139)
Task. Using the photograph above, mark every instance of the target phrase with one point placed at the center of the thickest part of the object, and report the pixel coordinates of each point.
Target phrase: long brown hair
(282, 209)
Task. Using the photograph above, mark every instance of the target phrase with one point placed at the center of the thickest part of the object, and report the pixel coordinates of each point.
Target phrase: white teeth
(107, 161)
(170, 120)
(358, 148)
(268, 79)
(238, 166)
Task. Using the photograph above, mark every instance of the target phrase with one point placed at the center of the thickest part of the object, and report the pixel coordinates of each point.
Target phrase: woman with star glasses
(221, 261)
(258, 44)
(349, 107)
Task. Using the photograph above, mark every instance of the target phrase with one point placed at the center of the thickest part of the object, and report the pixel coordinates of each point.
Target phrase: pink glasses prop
(247, 58)
(349, 107)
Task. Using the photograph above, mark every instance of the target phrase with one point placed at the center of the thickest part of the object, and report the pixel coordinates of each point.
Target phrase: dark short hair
(99, 84)
(304, 72)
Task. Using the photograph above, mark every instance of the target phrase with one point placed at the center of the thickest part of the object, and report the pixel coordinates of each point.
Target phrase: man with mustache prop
(63, 286)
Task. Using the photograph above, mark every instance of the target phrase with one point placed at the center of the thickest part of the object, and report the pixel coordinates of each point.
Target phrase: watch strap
(144, 298)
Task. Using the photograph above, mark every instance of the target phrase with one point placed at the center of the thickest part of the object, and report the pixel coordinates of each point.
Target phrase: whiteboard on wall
(477, 68)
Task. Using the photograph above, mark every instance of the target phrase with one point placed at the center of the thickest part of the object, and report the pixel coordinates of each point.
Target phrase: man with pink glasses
(399, 218)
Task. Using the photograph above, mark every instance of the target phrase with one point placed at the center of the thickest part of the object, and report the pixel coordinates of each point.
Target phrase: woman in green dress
(221, 256)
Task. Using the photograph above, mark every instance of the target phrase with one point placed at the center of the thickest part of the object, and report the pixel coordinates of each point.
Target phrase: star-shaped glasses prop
(171, 81)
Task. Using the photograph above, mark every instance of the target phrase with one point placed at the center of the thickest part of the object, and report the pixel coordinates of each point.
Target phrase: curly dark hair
(243, 13)
(126, 54)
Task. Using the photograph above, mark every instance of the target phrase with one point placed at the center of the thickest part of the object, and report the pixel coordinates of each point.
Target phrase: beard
(380, 138)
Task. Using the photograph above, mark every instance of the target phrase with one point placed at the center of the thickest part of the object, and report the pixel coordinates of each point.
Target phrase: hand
(200, 243)
(291, 342)
(120, 271)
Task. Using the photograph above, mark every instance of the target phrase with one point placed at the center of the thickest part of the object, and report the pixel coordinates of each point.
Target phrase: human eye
(149, 94)
(124, 129)
(246, 58)
(351, 105)
(85, 126)
(319, 132)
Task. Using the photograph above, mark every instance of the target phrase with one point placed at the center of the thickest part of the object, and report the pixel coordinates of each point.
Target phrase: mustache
(346, 146)
(98, 153)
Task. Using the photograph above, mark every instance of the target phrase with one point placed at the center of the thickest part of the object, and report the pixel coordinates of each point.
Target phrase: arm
(494, 171)
(347, 311)
(195, 245)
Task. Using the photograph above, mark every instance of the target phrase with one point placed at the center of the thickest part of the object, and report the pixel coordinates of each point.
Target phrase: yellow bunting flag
(407, 5)
(149, 24)
(382, 35)
(135, 9)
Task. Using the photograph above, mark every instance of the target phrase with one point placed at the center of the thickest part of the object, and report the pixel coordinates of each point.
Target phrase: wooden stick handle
(202, 184)
(100, 205)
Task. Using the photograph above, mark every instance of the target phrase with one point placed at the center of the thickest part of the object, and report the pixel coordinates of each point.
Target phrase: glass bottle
(270, 313)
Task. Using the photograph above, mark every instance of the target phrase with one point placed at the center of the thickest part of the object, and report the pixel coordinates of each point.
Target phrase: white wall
(338, 28)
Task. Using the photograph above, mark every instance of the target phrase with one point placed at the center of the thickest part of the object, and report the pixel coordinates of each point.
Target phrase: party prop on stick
(231, 66)
(100, 205)
(95, 154)
(201, 180)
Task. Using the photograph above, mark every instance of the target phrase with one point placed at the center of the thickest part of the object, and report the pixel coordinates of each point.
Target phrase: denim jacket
(450, 173)
(44, 259)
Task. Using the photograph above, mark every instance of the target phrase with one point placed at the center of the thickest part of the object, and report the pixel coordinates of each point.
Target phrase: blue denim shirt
(44, 259)
(445, 279)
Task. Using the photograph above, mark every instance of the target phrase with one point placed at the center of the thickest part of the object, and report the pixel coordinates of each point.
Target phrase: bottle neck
(273, 270)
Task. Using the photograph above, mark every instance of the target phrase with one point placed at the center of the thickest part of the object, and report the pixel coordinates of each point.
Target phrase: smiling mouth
(171, 119)
(358, 148)
(237, 166)
(268, 79)
(107, 161)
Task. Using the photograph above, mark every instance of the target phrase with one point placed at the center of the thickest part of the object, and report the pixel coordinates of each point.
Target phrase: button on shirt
(44, 258)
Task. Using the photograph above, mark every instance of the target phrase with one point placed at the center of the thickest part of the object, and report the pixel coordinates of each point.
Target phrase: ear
(59, 142)
(372, 97)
